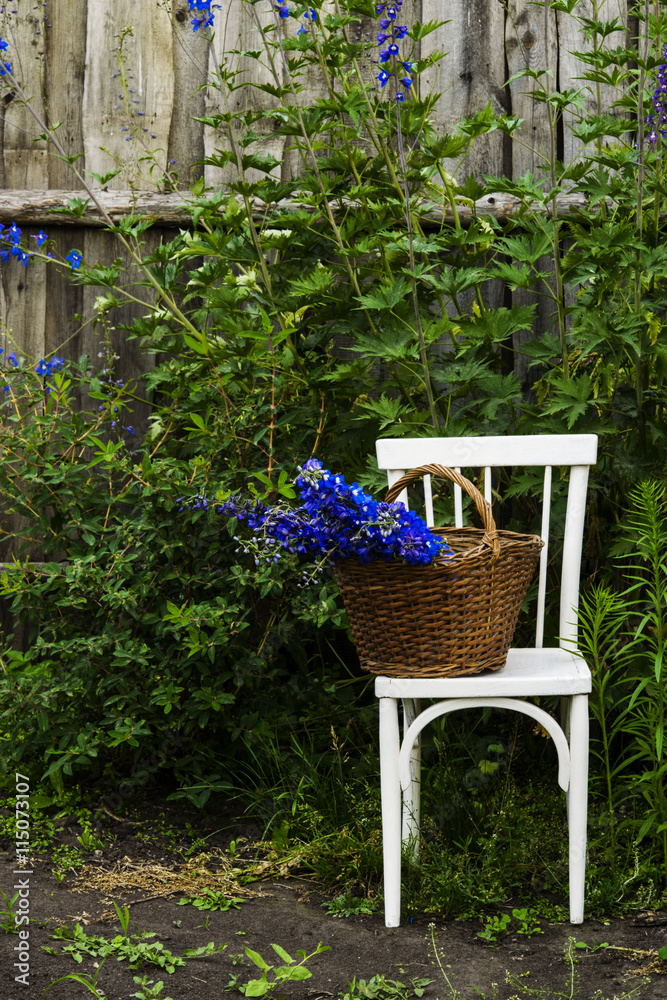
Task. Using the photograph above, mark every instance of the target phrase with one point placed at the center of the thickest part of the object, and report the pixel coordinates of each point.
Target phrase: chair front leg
(578, 804)
(390, 790)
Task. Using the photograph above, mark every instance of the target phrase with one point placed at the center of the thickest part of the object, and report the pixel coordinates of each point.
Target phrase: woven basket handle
(483, 508)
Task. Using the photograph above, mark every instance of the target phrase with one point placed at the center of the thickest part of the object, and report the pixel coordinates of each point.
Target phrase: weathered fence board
(63, 51)
(471, 75)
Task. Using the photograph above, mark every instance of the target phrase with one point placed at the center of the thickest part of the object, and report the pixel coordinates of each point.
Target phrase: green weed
(7, 915)
(150, 990)
(212, 899)
(273, 977)
(135, 949)
(380, 988)
(348, 905)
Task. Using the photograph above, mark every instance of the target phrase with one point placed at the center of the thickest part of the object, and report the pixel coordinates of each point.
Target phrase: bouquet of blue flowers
(335, 521)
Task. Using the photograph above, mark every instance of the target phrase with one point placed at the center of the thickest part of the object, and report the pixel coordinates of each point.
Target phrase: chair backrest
(578, 451)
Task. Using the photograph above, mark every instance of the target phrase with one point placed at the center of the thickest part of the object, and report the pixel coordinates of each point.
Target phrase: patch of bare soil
(288, 911)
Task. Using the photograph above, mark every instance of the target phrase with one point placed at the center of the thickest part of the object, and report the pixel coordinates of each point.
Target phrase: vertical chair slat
(393, 475)
(488, 496)
(428, 501)
(458, 505)
(572, 546)
(544, 558)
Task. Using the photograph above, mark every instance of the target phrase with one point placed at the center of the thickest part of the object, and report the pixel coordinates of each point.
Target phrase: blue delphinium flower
(40, 238)
(46, 368)
(335, 521)
(75, 258)
(202, 7)
(657, 119)
(308, 15)
(392, 33)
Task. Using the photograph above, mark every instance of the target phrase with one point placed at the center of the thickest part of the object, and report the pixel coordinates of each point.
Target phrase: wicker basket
(456, 616)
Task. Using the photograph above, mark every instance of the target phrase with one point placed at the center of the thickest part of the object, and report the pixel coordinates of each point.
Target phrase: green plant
(89, 982)
(67, 858)
(123, 918)
(570, 990)
(212, 899)
(582, 946)
(8, 922)
(349, 905)
(624, 641)
(290, 971)
(89, 839)
(150, 990)
(135, 949)
(380, 988)
(494, 926)
(527, 921)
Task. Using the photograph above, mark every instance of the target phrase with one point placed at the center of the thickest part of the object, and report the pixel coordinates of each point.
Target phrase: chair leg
(412, 796)
(578, 804)
(565, 706)
(390, 790)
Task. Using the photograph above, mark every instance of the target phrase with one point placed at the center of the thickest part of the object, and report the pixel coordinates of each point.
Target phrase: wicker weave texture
(456, 616)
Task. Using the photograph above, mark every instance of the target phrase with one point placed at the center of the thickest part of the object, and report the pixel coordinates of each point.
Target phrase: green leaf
(296, 972)
(281, 953)
(257, 959)
(257, 987)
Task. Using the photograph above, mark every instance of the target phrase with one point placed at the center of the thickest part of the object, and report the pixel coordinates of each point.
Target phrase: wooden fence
(63, 51)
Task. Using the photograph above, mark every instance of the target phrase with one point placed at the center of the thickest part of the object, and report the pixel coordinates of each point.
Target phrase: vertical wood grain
(64, 75)
(186, 136)
(150, 74)
(531, 42)
(237, 31)
(24, 159)
(571, 41)
(471, 75)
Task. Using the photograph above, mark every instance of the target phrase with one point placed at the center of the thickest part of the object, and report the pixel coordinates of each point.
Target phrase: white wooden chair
(529, 673)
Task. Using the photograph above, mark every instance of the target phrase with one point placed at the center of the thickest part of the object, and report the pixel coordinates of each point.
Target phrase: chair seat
(527, 673)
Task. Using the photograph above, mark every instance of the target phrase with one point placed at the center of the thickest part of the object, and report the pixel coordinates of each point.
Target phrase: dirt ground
(288, 911)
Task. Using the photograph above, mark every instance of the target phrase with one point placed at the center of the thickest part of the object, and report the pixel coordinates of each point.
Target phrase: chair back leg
(412, 795)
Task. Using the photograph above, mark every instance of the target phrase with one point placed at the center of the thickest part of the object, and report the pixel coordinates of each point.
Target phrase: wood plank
(190, 61)
(531, 42)
(471, 75)
(24, 160)
(237, 29)
(476, 452)
(65, 63)
(571, 41)
(150, 75)
(38, 208)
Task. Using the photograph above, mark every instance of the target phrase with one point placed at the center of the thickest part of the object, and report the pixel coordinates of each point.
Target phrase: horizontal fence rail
(46, 208)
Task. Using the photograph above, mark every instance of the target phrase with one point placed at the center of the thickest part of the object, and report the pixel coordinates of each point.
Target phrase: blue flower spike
(202, 7)
(392, 34)
(335, 521)
(657, 119)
